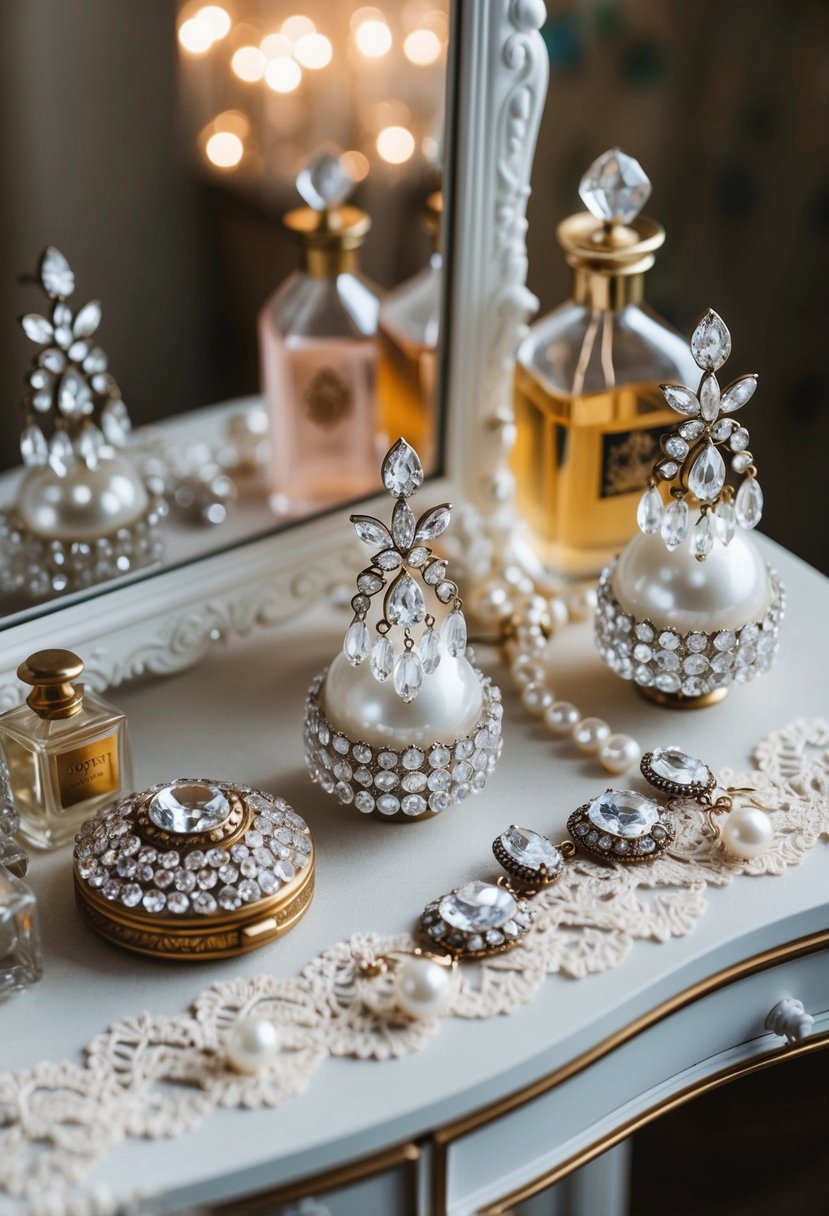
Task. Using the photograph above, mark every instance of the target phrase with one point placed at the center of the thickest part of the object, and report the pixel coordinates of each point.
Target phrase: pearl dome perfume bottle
(588, 410)
(318, 345)
(67, 750)
(401, 724)
(690, 607)
(408, 332)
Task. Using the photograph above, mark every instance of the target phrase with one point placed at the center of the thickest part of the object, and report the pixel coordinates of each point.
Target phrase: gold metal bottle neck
(327, 261)
(328, 240)
(609, 261)
(52, 674)
(607, 292)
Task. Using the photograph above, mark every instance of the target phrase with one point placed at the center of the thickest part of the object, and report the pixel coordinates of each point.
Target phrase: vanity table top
(238, 716)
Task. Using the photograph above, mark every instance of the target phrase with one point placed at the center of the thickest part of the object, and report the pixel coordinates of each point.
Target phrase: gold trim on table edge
(503, 1206)
(444, 1136)
(406, 1154)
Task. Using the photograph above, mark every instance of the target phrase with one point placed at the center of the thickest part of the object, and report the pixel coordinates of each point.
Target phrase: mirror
(176, 165)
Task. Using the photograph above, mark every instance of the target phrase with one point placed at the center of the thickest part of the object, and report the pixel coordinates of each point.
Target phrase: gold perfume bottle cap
(611, 245)
(52, 674)
(329, 230)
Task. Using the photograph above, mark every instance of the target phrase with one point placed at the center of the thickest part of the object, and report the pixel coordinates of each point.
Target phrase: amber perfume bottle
(318, 346)
(408, 335)
(67, 750)
(588, 410)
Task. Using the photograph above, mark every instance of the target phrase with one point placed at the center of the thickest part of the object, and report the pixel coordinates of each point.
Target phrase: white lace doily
(156, 1077)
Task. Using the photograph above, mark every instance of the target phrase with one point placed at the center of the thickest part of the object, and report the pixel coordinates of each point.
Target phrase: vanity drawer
(710, 1034)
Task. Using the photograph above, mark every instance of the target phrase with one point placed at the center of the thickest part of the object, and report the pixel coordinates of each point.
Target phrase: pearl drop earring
(423, 984)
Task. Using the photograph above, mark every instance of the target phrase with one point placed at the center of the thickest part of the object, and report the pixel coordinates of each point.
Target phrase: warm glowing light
(194, 35)
(216, 19)
(297, 27)
(422, 47)
(275, 46)
(395, 144)
(373, 38)
(356, 164)
(224, 149)
(313, 51)
(249, 63)
(283, 74)
(234, 121)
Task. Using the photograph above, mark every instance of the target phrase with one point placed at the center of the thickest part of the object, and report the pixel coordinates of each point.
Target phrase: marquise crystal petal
(649, 511)
(87, 320)
(37, 328)
(674, 527)
(433, 523)
(615, 188)
(623, 813)
(56, 273)
(478, 906)
(738, 393)
(707, 476)
(403, 525)
(681, 399)
(711, 342)
(673, 764)
(748, 505)
(692, 430)
(402, 471)
(406, 606)
(372, 532)
(709, 397)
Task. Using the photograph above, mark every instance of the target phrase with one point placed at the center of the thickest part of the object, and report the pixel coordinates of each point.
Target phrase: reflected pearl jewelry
(403, 731)
(423, 984)
(683, 634)
(252, 1044)
(83, 512)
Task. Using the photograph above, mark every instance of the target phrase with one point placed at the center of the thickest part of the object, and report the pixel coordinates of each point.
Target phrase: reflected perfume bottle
(20, 961)
(408, 333)
(67, 750)
(589, 414)
(318, 347)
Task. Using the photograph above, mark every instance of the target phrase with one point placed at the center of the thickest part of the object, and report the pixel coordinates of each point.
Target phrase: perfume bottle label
(88, 771)
(627, 460)
(328, 398)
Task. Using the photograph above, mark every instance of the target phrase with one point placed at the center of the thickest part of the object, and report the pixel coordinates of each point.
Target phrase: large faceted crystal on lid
(531, 849)
(675, 765)
(325, 181)
(189, 807)
(615, 188)
(623, 813)
(478, 906)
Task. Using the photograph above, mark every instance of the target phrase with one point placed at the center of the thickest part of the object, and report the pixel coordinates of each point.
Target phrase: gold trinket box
(194, 869)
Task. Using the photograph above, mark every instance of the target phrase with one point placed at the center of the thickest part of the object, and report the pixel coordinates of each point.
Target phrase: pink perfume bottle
(318, 342)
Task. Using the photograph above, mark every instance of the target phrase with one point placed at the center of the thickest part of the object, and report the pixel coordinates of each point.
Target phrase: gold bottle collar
(52, 674)
(609, 260)
(329, 239)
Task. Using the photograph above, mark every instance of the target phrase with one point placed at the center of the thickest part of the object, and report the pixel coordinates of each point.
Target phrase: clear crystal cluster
(412, 781)
(402, 555)
(692, 462)
(690, 664)
(113, 862)
(73, 407)
(480, 918)
(12, 856)
(39, 568)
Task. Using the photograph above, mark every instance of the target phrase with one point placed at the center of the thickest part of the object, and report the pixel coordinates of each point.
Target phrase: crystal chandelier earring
(683, 634)
(403, 725)
(83, 513)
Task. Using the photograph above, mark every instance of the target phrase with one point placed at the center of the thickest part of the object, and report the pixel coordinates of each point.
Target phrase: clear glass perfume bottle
(408, 334)
(318, 346)
(20, 962)
(588, 410)
(67, 750)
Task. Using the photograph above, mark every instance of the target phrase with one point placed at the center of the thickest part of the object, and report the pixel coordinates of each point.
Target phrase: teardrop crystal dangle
(454, 633)
(702, 540)
(649, 512)
(408, 675)
(748, 505)
(675, 523)
(430, 647)
(381, 663)
(725, 521)
(356, 643)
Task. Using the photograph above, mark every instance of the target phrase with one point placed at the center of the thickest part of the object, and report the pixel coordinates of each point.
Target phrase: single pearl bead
(747, 832)
(252, 1044)
(525, 670)
(423, 988)
(619, 753)
(561, 717)
(536, 699)
(559, 612)
(590, 735)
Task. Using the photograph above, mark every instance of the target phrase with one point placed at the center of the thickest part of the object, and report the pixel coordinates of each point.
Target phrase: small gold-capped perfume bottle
(588, 411)
(67, 750)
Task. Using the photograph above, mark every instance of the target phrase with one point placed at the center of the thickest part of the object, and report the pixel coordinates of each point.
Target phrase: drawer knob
(790, 1020)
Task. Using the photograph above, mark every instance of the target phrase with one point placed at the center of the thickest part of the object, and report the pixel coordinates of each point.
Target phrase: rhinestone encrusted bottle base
(405, 783)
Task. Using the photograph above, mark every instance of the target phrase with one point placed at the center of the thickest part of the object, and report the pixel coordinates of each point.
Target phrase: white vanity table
(488, 1108)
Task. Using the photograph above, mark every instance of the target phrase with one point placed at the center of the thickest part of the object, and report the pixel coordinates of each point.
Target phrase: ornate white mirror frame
(167, 621)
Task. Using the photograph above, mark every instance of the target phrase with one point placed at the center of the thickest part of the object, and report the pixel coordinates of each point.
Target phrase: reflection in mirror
(329, 119)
